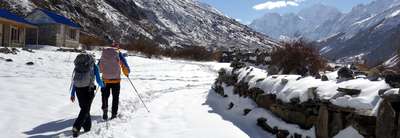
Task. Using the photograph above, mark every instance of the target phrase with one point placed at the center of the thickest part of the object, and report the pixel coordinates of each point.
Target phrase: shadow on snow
(218, 106)
(54, 128)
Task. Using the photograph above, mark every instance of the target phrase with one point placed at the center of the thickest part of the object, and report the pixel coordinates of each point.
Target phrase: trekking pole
(138, 95)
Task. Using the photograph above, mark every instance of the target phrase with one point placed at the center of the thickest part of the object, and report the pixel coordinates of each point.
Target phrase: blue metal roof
(11, 16)
(60, 19)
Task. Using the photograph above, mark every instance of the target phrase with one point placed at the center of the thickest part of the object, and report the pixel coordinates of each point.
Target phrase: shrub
(150, 48)
(145, 46)
(297, 57)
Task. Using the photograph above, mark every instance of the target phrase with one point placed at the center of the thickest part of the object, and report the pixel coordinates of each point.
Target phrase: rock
(246, 111)
(295, 100)
(393, 80)
(321, 128)
(70, 50)
(259, 80)
(262, 122)
(15, 50)
(9, 60)
(230, 106)
(218, 89)
(225, 96)
(237, 65)
(324, 78)
(349, 91)
(297, 117)
(365, 125)
(273, 70)
(255, 92)
(282, 133)
(5, 50)
(299, 78)
(345, 73)
(312, 93)
(385, 122)
(28, 50)
(284, 81)
(297, 135)
(266, 100)
(318, 76)
(390, 94)
(335, 124)
(30, 63)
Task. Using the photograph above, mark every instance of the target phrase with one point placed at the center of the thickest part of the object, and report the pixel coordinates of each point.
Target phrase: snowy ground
(34, 100)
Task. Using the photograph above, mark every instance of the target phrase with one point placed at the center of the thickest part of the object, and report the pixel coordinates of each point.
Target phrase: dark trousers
(85, 97)
(105, 93)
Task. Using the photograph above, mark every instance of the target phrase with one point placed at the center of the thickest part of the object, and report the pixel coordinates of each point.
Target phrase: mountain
(169, 23)
(352, 22)
(301, 24)
(376, 39)
(369, 31)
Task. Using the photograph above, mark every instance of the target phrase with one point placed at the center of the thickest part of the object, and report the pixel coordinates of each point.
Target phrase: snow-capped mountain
(376, 39)
(301, 24)
(179, 23)
(352, 22)
(369, 30)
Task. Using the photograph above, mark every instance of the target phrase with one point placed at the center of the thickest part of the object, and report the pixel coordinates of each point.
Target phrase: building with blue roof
(13, 29)
(54, 29)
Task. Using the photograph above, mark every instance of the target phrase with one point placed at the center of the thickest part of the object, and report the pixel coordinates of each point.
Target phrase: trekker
(85, 72)
(111, 63)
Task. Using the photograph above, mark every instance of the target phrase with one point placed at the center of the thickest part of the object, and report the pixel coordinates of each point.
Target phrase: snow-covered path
(34, 99)
(176, 92)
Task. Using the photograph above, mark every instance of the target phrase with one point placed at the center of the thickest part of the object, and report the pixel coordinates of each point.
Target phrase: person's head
(115, 44)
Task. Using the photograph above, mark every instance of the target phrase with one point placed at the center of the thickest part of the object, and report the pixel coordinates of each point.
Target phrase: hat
(115, 44)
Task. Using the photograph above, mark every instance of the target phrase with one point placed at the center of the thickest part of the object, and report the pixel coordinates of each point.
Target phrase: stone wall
(328, 119)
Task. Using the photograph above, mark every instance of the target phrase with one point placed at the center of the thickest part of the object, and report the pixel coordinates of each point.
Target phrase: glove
(72, 98)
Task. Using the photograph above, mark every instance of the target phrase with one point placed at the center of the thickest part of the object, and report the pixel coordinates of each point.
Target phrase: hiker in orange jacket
(111, 63)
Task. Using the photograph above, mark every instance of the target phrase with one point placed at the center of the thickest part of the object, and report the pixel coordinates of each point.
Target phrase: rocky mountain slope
(376, 39)
(369, 31)
(169, 23)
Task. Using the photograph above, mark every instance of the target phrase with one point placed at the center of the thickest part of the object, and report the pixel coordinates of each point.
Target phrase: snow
(349, 132)
(395, 14)
(27, 4)
(248, 122)
(110, 12)
(297, 87)
(363, 20)
(392, 61)
(35, 99)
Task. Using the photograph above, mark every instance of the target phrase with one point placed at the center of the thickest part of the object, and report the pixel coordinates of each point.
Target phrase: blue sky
(247, 10)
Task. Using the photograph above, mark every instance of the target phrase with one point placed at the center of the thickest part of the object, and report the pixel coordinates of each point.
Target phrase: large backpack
(84, 71)
(109, 64)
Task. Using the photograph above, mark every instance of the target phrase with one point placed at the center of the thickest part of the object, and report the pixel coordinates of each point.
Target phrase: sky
(247, 10)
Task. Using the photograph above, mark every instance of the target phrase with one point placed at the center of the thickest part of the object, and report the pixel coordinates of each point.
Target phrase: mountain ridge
(169, 23)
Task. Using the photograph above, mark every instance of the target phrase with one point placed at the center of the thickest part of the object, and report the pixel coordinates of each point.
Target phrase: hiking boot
(75, 132)
(105, 116)
(86, 130)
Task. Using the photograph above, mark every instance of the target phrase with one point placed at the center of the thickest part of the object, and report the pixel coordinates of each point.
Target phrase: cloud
(277, 4)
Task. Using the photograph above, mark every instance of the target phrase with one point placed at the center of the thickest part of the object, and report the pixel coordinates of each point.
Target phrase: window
(72, 34)
(14, 34)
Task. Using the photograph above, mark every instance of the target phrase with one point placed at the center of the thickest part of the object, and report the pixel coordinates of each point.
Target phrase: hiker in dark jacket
(85, 72)
(111, 63)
